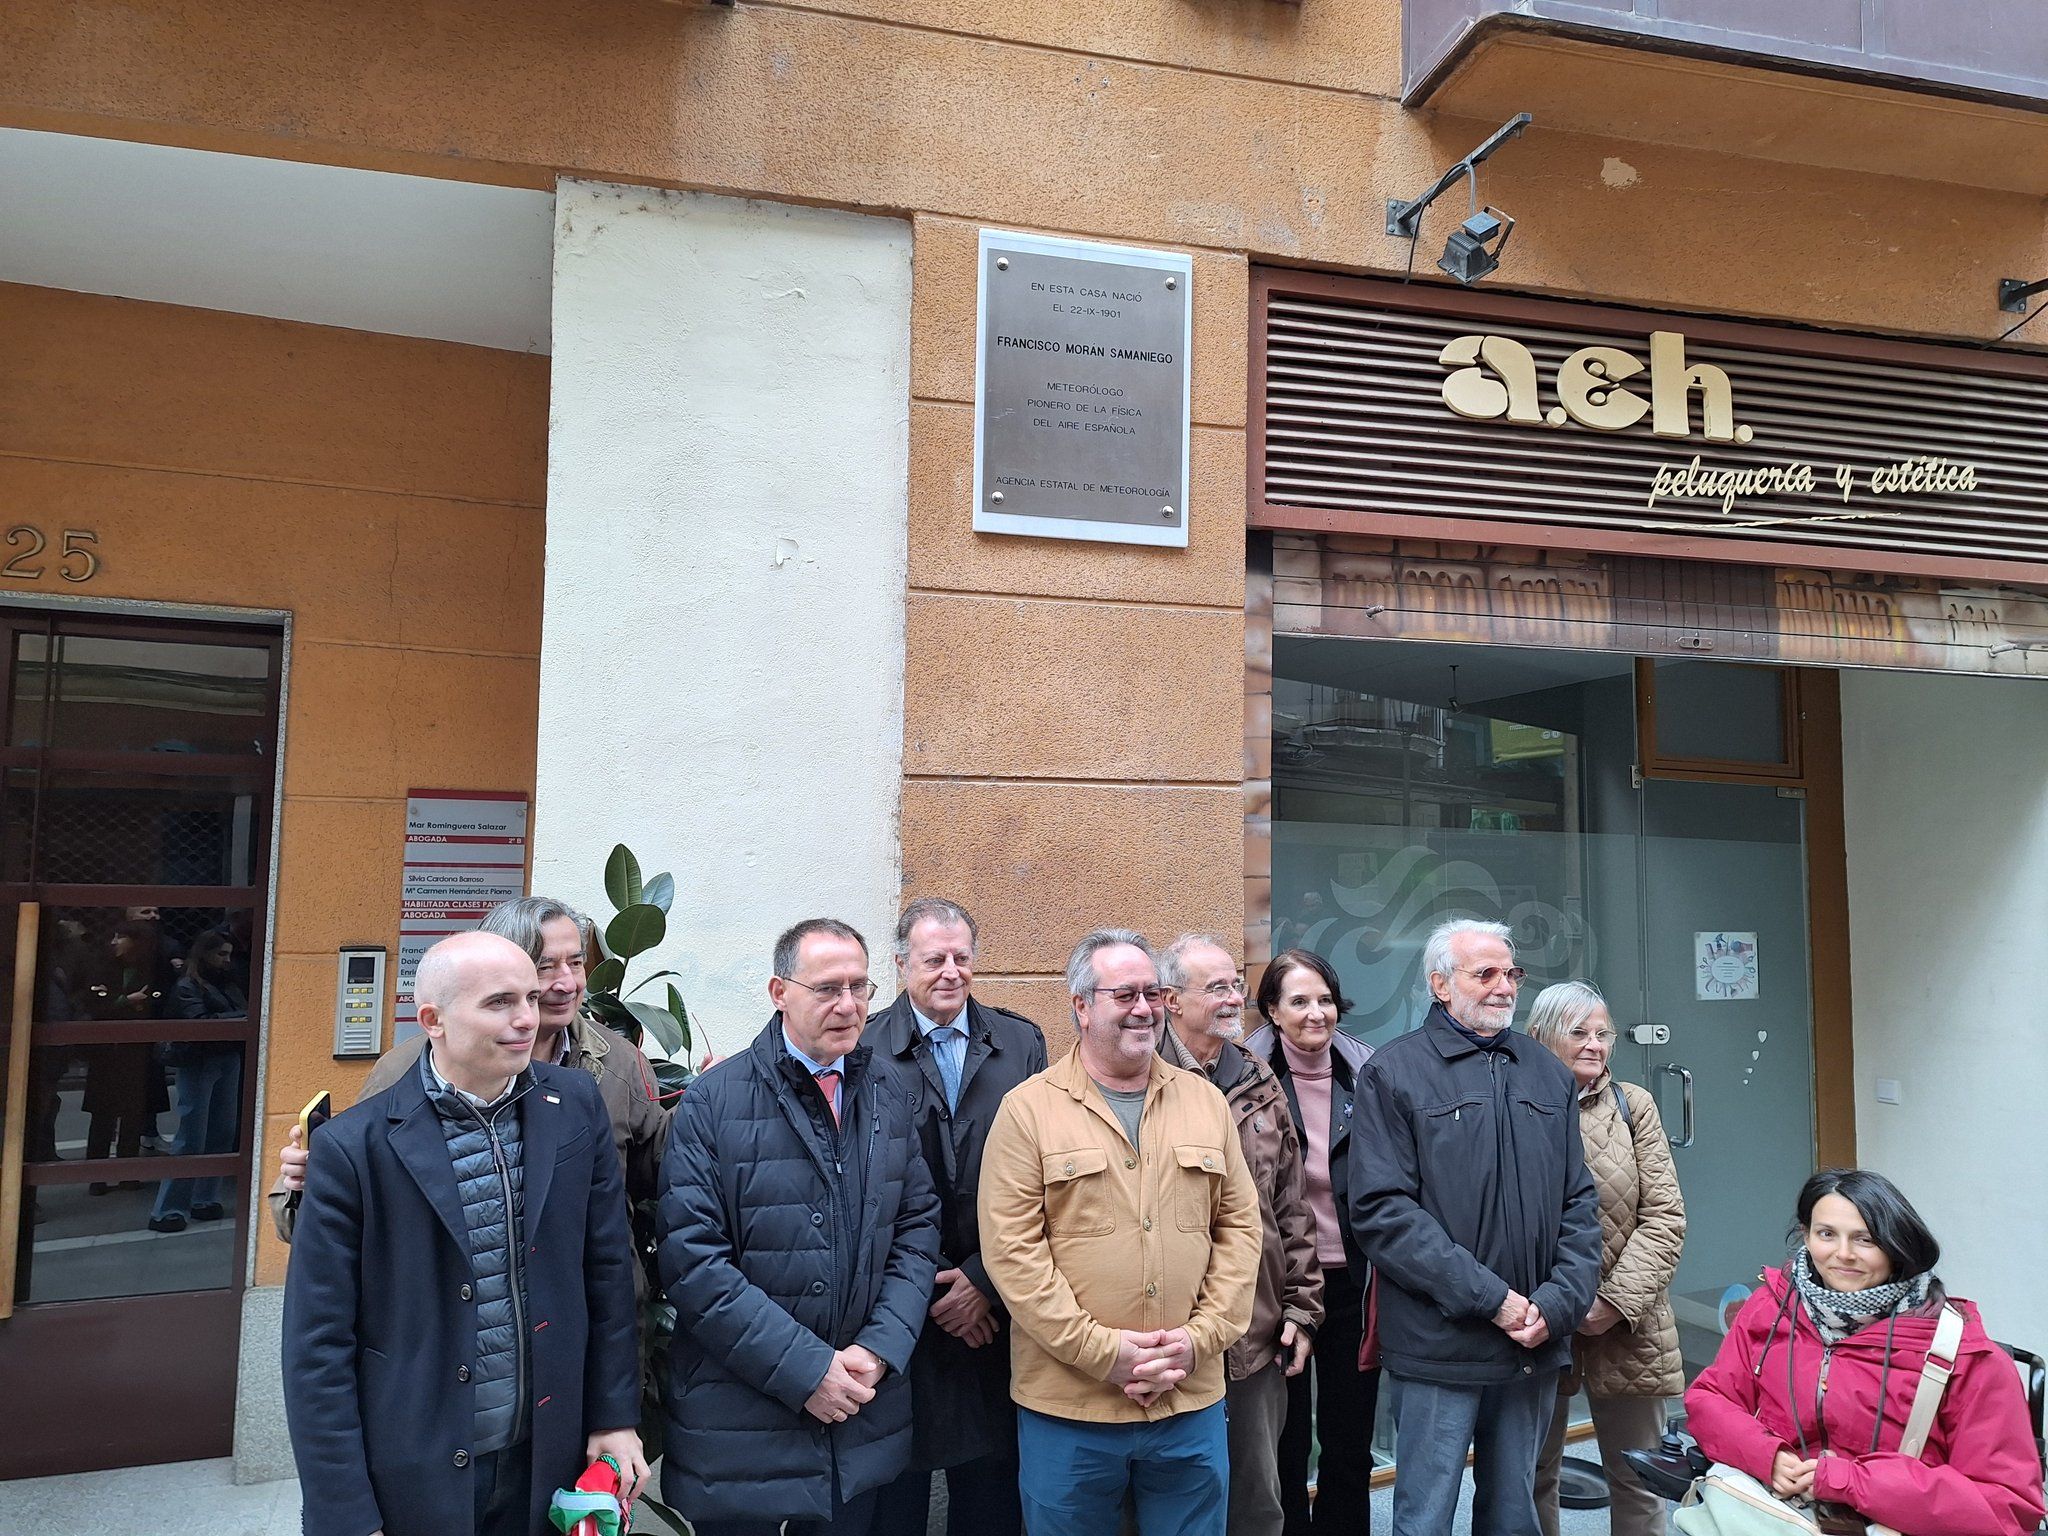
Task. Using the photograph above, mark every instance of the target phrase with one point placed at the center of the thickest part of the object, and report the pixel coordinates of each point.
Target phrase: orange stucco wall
(387, 493)
(1075, 720)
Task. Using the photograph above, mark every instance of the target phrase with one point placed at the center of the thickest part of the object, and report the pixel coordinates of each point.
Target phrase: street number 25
(78, 558)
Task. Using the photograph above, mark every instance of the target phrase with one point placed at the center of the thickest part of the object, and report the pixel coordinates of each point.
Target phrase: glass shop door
(136, 787)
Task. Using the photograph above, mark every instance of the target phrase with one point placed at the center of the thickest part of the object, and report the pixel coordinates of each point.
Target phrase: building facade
(577, 400)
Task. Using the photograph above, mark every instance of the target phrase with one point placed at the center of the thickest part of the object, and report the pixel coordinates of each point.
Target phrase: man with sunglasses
(1120, 1225)
(798, 1239)
(1470, 1195)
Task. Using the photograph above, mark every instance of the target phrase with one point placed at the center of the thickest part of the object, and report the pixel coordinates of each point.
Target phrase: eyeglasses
(1123, 997)
(1234, 987)
(1579, 1034)
(1487, 975)
(832, 991)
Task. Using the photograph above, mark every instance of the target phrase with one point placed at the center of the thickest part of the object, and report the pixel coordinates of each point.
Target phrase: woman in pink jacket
(1811, 1389)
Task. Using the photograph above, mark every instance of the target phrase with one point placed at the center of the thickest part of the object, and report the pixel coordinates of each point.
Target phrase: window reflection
(79, 1246)
(105, 693)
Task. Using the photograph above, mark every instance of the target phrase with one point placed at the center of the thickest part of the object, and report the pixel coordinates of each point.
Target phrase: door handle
(28, 923)
(1684, 1101)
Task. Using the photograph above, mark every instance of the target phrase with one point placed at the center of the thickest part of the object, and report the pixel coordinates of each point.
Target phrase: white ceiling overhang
(365, 250)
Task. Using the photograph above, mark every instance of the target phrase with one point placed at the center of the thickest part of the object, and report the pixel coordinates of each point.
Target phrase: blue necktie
(947, 1040)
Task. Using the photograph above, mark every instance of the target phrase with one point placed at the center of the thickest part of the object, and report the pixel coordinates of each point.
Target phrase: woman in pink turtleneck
(1318, 1066)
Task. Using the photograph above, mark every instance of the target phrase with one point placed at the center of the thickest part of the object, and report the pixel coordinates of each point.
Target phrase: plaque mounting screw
(1002, 263)
(1166, 512)
(995, 495)
(1173, 282)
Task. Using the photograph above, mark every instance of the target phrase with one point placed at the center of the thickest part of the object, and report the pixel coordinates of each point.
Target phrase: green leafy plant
(639, 923)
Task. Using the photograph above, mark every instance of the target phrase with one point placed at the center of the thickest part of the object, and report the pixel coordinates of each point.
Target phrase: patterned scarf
(1837, 1314)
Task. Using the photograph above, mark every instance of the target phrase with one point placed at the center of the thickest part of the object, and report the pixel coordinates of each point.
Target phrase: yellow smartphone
(318, 1111)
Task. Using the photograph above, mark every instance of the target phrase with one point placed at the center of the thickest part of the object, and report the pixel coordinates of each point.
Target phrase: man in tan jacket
(1205, 1017)
(1120, 1225)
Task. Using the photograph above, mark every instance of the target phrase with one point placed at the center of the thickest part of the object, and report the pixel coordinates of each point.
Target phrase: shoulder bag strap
(1934, 1376)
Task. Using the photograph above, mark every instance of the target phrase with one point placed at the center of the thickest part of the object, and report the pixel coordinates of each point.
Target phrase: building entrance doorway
(1646, 826)
(136, 785)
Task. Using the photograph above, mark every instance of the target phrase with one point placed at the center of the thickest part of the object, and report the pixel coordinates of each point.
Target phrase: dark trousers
(504, 1490)
(853, 1517)
(981, 1499)
(1345, 1400)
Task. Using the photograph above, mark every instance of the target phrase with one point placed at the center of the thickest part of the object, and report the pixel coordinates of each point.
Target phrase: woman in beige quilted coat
(1625, 1354)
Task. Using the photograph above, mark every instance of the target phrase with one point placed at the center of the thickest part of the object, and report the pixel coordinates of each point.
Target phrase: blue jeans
(1503, 1424)
(208, 1096)
(1075, 1474)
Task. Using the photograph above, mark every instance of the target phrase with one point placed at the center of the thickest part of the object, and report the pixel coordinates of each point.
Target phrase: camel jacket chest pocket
(1199, 1176)
(1080, 1200)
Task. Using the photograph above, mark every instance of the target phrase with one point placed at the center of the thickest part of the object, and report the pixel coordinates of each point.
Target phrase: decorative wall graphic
(1724, 967)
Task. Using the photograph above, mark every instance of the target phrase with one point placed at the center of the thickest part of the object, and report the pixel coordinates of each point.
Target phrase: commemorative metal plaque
(1081, 402)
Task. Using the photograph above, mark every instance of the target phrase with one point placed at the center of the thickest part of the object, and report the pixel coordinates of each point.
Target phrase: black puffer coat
(490, 1179)
(781, 1241)
(1468, 1177)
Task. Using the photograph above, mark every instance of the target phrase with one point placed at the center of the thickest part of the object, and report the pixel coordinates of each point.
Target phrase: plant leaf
(609, 1011)
(608, 975)
(644, 980)
(682, 1015)
(622, 877)
(637, 929)
(660, 892)
(656, 1022)
(670, 1079)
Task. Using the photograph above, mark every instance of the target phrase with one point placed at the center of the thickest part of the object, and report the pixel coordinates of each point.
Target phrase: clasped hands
(849, 1385)
(1151, 1364)
(1522, 1320)
(1791, 1476)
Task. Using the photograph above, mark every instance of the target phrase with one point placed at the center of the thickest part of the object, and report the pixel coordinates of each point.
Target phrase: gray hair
(522, 919)
(1562, 1008)
(932, 909)
(1081, 963)
(1436, 954)
(793, 937)
(1173, 970)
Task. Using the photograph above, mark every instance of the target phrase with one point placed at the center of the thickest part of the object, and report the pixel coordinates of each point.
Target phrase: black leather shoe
(170, 1223)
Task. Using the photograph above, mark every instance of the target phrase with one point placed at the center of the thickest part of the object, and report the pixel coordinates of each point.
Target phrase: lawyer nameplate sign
(1081, 391)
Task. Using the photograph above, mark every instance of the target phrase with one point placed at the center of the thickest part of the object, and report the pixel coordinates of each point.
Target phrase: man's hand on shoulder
(623, 1446)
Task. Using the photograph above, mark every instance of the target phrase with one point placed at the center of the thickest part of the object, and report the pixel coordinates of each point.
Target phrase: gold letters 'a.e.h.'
(1494, 378)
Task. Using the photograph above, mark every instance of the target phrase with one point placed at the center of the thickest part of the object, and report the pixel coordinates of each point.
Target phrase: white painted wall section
(722, 647)
(1945, 782)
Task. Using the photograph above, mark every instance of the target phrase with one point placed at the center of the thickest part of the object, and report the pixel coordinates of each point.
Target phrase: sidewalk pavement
(201, 1498)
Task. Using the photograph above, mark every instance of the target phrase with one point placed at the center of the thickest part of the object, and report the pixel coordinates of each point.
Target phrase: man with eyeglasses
(955, 1057)
(798, 1238)
(1120, 1225)
(1205, 1018)
(1470, 1195)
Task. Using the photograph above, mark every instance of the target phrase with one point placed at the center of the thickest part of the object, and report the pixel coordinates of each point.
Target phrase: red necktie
(828, 1084)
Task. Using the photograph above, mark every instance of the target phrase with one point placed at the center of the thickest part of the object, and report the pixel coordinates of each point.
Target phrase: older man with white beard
(1205, 1018)
(1469, 1193)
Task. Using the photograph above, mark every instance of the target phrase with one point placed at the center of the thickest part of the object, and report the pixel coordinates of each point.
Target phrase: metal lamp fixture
(1474, 248)
(1466, 256)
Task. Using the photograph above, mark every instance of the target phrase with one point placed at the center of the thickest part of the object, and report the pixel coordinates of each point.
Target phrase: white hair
(1562, 1008)
(1436, 954)
(1173, 969)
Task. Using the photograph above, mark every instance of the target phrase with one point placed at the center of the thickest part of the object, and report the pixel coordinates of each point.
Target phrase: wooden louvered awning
(1943, 450)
